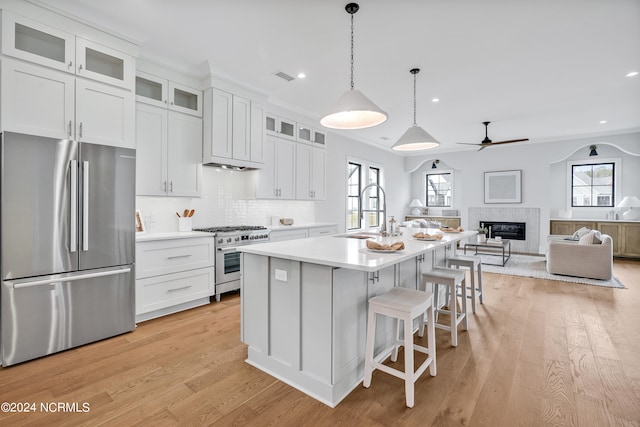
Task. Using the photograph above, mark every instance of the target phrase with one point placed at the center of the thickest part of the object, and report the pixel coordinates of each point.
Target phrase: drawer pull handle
(179, 289)
(179, 256)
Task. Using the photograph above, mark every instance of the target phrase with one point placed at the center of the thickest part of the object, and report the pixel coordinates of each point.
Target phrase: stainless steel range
(228, 239)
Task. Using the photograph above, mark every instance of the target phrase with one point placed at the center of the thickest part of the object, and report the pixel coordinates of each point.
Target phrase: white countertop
(344, 252)
(594, 220)
(147, 237)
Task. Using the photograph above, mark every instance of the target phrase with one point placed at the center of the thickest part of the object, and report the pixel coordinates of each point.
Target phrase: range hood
(231, 164)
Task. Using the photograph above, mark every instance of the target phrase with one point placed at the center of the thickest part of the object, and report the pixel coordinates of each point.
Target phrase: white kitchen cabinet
(311, 135)
(104, 64)
(37, 100)
(104, 114)
(276, 180)
(169, 152)
(279, 126)
(184, 161)
(293, 234)
(327, 230)
(45, 102)
(281, 234)
(234, 132)
(173, 275)
(32, 41)
(310, 172)
(161, 92)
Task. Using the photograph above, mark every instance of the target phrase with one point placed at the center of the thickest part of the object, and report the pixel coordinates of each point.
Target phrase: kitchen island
(304, 305)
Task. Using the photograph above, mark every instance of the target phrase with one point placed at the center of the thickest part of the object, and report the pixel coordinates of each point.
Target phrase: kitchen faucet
(383, 226)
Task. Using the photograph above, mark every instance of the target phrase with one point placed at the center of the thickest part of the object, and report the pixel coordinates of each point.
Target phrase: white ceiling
(544, 70)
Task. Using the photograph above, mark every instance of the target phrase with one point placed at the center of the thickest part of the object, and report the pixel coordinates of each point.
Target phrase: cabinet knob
(80, 68)
(70, 64)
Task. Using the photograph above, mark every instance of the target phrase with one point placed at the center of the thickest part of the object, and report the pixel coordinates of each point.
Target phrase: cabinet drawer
(323, 231)
(155, 293)
(296, 233)
(171, 256)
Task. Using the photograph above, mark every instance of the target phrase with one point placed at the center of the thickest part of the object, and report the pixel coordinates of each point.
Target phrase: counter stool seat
(406, 305)
(452, 278)
(474, 264)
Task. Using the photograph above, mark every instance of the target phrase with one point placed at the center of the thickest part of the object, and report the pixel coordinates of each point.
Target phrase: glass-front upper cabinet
(161, 92)
(151, 89)
(104, 64)
(185, 99)
(29, 40)
(308, 134)
(32, 41)
(278, 126)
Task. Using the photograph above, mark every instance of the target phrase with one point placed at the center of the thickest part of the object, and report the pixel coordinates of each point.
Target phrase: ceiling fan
(486, 142)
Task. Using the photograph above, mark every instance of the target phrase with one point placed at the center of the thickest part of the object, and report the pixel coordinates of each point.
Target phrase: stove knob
(220, 240)
(228, 239)
(237, 239)
(251, 237)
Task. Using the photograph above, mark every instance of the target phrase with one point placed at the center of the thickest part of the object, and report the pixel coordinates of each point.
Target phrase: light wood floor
(537, 353)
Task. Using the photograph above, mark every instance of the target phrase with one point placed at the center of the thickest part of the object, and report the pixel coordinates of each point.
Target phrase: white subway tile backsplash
(228, 198)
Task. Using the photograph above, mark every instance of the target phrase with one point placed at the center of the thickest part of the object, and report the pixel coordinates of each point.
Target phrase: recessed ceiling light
(631, 74)
(603, 122)
(435, 100)
(301, 75)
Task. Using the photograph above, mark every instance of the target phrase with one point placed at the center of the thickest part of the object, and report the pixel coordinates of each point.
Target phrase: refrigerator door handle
(70, 278)
(73, 244)
(85, 205)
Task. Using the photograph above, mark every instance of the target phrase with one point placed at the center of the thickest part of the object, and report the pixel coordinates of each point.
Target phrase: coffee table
(500, 248)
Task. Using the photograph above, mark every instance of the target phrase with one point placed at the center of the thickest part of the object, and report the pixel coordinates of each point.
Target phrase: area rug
(536, 266)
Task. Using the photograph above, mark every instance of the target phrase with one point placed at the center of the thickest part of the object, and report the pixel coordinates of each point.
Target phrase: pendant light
(415, 138)
(353, 109)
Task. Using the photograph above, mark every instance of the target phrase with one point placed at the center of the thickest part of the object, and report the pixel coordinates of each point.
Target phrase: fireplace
(506, 230)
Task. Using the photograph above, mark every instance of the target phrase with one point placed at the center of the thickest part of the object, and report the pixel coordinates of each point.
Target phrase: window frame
(425, 198)
(365, 167)
(616, 194)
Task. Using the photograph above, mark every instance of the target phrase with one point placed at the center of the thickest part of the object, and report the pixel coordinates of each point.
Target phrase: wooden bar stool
(452, 278)
(406, 305)
(474, 264)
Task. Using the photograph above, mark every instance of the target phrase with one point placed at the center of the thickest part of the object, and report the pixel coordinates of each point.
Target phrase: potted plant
(482, 234)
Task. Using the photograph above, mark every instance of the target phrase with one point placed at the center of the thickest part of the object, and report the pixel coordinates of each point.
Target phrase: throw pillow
(587, 239)
(579, 233)
(597, 237)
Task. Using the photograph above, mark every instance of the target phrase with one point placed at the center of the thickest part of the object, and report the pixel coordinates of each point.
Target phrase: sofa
(591, 260)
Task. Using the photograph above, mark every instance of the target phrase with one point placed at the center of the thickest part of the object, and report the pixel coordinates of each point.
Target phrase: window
(438, 189)
(374, 205)
(592, 184)
(353, 196)
(359, 175)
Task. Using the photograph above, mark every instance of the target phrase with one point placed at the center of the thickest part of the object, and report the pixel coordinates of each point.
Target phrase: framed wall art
(503, 187)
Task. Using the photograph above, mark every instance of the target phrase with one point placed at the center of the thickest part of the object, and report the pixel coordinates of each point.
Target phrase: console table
(504, 247)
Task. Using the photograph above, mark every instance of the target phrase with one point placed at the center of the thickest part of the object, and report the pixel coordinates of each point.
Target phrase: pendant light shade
(415, 138)
(353, 109)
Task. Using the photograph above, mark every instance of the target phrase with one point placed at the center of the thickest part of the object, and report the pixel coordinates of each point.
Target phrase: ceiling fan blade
(509, 141)
(468, 143)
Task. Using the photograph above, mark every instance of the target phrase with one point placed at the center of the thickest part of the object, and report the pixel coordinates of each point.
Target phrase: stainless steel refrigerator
(67, 242)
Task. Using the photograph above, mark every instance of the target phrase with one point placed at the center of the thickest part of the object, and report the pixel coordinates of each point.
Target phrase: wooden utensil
(191, 213)
(185, 213)
(178, 215)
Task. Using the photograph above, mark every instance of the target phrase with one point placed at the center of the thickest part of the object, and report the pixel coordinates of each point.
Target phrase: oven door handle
(227, 249)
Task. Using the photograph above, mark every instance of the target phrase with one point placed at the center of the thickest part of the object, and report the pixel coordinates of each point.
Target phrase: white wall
(543, 185)
(396, 182)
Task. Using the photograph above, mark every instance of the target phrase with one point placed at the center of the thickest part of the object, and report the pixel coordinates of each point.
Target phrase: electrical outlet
(281, 275)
